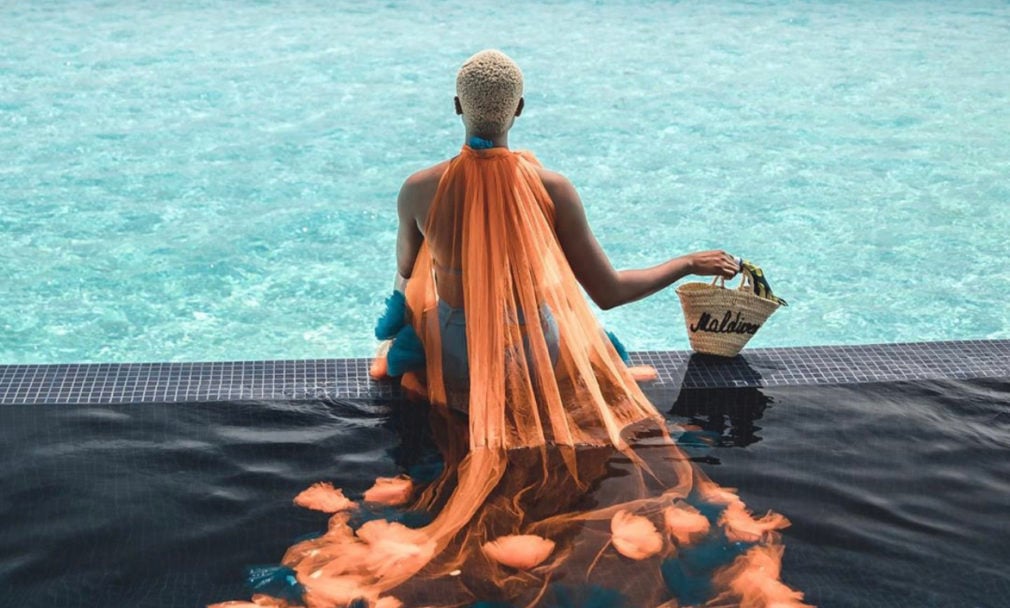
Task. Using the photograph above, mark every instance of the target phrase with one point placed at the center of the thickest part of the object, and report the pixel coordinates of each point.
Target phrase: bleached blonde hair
(489, 87)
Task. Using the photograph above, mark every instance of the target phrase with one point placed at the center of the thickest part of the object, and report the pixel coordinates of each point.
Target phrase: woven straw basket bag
(720, 321)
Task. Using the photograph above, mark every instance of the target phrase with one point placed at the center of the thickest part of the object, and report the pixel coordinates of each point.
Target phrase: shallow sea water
(897, 493)
(195, 181)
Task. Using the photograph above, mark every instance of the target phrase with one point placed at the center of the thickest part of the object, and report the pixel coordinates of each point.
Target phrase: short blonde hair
(489, 87)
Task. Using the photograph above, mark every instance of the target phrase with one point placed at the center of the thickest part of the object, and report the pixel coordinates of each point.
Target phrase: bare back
(417, 197)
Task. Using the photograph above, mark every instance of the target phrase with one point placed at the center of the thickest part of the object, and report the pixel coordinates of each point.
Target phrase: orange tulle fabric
(492, 220)
(520, 551)
(324, 497)
(562, 472)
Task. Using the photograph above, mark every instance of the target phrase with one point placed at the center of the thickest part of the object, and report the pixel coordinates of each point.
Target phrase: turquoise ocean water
(216, 181)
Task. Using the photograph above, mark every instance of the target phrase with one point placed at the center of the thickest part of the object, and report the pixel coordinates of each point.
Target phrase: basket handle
(746, 281)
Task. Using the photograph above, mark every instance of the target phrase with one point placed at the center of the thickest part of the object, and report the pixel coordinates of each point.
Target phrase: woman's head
(489, 91)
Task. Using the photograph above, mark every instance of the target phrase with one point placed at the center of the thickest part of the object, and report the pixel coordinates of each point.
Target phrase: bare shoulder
(425, 179)
(560, 189)
(418, 190)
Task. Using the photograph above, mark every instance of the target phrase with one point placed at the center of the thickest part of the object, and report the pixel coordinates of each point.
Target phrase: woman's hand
(714, 263)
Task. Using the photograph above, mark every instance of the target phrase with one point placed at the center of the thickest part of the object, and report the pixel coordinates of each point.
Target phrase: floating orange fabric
(563, 470)
(324, 497)
(520, 551)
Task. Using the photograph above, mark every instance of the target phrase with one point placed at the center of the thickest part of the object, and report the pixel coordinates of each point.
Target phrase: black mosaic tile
(165, 382)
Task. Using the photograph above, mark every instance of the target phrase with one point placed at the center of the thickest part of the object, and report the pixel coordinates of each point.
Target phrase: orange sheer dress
(564, 478)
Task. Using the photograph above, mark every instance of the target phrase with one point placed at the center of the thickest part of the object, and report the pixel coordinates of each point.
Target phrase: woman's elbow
(606, 300)
(606, 294)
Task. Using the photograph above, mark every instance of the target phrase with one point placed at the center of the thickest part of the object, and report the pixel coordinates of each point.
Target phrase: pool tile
(313, 379)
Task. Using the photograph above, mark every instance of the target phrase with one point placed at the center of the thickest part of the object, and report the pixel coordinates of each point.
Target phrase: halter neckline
(485, 152)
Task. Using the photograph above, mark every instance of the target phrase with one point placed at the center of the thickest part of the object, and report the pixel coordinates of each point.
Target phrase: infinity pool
(897, 492)
(193, 181)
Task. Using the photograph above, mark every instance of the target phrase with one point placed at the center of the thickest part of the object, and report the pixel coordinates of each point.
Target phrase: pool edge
(336, 379)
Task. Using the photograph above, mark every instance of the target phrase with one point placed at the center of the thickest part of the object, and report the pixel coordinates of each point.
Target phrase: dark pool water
(899, 494)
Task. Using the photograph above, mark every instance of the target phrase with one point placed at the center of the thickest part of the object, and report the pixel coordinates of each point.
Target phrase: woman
(562, 481)
(475, 210)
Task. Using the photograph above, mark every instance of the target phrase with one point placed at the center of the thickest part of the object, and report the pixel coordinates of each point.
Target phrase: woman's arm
(608, 287)
(412, 208)
(408, 235)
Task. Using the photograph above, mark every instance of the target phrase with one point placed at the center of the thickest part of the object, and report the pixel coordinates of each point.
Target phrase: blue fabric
(711, 553)
(276, 581)
(393, 318)
(411, 519)
(583, 596)
(690, 588)
(426, 472)
(406, 353)
(455, 362)
(688, 576)
(697, 443)
(479, 143)
(620, 348)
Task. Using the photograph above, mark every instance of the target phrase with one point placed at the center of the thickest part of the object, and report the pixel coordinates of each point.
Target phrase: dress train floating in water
(562, 485)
